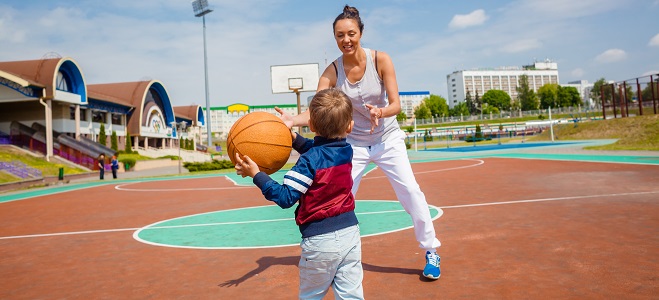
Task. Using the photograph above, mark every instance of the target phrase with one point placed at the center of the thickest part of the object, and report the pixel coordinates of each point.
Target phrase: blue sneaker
(432, 266)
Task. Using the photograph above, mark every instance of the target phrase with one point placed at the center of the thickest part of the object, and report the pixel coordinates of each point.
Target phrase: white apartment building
(503, 78)
(584, 88)
(223, 117)
(410, 100)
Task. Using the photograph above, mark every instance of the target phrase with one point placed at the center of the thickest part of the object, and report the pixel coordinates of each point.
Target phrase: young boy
(321, 181)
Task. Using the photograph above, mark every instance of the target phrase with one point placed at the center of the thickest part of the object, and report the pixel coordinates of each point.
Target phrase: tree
(601, 86)
(497, 99)
(437, 105)
(647, 91)
(548, 95)
(102, 137)
(477, 104)
(129, 144)
(113, 141)
(401, 116)
(527, 97)
(569, 96)
(422, 112)
(488, 109)
(470, 103)
(460, 110)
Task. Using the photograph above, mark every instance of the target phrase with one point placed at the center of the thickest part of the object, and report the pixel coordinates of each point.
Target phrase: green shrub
(172, 157)
(128, 162)
(208, 166)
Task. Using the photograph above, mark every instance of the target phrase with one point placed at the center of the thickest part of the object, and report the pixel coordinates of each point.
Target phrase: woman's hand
(376, 114)
(246, 166)
(286, 118)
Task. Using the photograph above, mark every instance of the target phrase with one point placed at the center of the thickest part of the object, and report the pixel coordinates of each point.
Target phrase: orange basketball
(264, 138)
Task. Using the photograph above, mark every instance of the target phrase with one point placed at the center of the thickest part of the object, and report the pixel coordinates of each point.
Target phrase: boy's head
(330, 114)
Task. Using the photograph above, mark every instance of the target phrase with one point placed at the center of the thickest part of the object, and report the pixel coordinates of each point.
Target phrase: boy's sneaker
(432, 266)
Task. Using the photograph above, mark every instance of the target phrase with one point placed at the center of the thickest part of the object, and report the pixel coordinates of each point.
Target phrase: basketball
(264, 138)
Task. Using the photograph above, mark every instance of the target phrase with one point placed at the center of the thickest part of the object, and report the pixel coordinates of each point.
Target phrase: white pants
(332, 259)
(391, 157)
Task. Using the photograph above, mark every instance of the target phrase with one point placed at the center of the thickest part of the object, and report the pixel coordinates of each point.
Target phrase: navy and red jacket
(321, 180)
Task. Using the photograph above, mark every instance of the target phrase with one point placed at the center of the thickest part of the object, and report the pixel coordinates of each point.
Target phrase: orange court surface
(512, 228)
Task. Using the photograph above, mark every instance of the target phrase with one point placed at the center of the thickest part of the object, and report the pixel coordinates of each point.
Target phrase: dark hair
(330, 113)
(349, 12)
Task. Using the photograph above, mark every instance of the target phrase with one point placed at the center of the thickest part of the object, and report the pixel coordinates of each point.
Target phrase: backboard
(288, 78)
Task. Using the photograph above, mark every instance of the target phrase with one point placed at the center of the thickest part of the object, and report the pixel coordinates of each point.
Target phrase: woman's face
(347, 35)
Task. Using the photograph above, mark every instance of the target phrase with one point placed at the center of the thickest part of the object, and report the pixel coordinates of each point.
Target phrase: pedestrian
(101, 164)
(321, 181)
(115, 166)
(366, 75)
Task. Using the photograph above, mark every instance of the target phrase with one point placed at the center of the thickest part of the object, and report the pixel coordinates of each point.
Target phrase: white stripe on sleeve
(294, 184)
(299, 177)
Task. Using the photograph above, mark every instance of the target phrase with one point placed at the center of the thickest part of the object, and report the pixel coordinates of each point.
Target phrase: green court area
(264, 226)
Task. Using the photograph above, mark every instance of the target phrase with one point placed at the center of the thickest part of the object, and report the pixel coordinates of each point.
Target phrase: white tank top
(368, 90)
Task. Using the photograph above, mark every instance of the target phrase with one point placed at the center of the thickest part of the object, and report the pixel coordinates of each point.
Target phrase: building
(223, 117)
(479, 81)
(410, 100)
(584, 88)
(47, 106)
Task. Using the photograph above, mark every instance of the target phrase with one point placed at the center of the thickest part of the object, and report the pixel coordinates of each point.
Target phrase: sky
(128, 40)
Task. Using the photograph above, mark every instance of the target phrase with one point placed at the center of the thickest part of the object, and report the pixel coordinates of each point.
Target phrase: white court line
(480, 162)
(121, 187)
(173, 226)
(550, 199)
(288, 219)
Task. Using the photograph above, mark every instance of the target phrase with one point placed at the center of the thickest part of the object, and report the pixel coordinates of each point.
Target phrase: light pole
(200, 8)
(176, 127)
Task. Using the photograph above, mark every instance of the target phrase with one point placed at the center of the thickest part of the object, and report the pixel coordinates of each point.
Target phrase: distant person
(115, 166)
(101, 165)
(321, 182)
(366, 76)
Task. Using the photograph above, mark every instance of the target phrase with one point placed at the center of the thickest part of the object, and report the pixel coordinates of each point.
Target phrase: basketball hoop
(295, 84)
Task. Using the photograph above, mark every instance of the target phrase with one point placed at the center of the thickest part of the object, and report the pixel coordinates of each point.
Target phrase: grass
(9, 154)
(634, 133)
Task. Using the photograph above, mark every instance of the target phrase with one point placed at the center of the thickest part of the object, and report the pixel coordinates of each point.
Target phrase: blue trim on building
(160, 89)
(77, 83)
(200, 116)
(108, 106)
(25, 91)
(414, 93)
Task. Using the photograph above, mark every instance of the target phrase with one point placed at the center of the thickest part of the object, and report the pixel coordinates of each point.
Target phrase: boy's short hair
(330, 113)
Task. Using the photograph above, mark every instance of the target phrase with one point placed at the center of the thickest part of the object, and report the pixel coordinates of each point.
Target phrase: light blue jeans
(335, 259)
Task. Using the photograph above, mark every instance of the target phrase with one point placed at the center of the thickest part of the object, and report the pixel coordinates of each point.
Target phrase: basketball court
(513, 224)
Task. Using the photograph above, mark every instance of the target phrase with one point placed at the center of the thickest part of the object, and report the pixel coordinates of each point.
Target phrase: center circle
(264, 226)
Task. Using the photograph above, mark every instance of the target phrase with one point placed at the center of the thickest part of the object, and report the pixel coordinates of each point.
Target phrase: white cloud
(578, 72)
(655, 40)
(476, 17)
(611, 55)
(521, 45)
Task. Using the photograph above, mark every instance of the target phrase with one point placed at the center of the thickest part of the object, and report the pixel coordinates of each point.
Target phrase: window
(62, 82)
(98, 116)
(116, 119)
(72, 112)
(83, 114)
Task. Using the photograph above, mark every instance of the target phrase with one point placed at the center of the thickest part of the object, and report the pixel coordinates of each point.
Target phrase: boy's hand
(246, 166)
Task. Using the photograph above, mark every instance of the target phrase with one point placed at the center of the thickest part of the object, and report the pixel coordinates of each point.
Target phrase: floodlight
(200, 7)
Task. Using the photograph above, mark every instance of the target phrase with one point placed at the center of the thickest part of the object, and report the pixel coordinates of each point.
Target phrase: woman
(365, 75)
